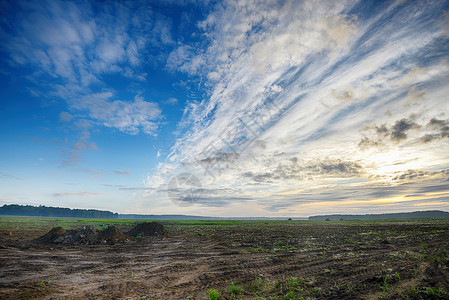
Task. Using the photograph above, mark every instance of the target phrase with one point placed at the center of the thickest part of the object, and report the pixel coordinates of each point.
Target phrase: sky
(225, 108)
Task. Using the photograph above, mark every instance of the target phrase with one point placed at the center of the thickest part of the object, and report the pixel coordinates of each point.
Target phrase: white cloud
(329, 73)
(171, 101)
(78, 44)
(128, 117)
(65, 117)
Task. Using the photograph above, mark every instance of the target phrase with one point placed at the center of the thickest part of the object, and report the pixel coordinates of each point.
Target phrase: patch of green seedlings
(256, 250)
(332, 272)
(416, 292)
(280, 247)
(295, 291)
(384, 286)
(388, 279)
(214, 294)
(234, 290)
(44, 283)
(204, 232)
(440, 257)
(284, 248)
(435, 292)
(259, 286)
(411, 292)
(350, 288)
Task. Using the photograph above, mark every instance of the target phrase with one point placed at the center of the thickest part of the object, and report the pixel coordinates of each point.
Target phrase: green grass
(39, 222)
(14, 223)
(46, 223)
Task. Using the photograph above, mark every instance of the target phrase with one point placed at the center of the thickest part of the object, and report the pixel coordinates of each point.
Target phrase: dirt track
(315, 260)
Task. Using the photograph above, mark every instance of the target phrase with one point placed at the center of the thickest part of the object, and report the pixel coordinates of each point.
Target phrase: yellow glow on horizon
(430, 203)
(385, 201)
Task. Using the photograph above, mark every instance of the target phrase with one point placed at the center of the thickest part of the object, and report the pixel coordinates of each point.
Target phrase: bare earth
(314, 260)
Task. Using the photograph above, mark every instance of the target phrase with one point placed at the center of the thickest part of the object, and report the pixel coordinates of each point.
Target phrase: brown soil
(86, 235)
(147, 229)
(328, 260)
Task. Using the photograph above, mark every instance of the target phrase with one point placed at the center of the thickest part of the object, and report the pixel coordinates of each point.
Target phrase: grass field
(231, 260)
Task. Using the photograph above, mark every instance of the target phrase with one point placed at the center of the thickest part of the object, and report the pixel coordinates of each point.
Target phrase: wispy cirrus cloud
(4, 175)
(331, 70)
(77, 53)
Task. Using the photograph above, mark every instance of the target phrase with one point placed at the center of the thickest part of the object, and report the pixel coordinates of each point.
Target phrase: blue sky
(225, 108)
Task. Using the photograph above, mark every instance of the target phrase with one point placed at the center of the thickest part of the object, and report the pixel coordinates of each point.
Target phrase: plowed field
(273, 260)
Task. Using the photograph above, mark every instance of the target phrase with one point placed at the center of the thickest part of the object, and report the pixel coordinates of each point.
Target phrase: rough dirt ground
(322, 260)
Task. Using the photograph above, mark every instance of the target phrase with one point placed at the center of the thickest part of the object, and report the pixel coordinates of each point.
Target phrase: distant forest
(45, 211)
(429, 214)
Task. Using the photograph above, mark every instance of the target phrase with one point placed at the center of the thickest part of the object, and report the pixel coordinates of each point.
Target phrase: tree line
(47, 211)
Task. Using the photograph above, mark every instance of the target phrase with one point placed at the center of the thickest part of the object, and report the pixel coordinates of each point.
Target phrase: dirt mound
(147, 229)
(86, 235)
(89, 235)
(53, 236)
(112, 234)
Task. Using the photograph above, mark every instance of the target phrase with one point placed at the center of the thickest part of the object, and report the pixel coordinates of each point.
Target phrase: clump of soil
(86, 235)
(112, 234)
(147, 229)
(53, 236)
